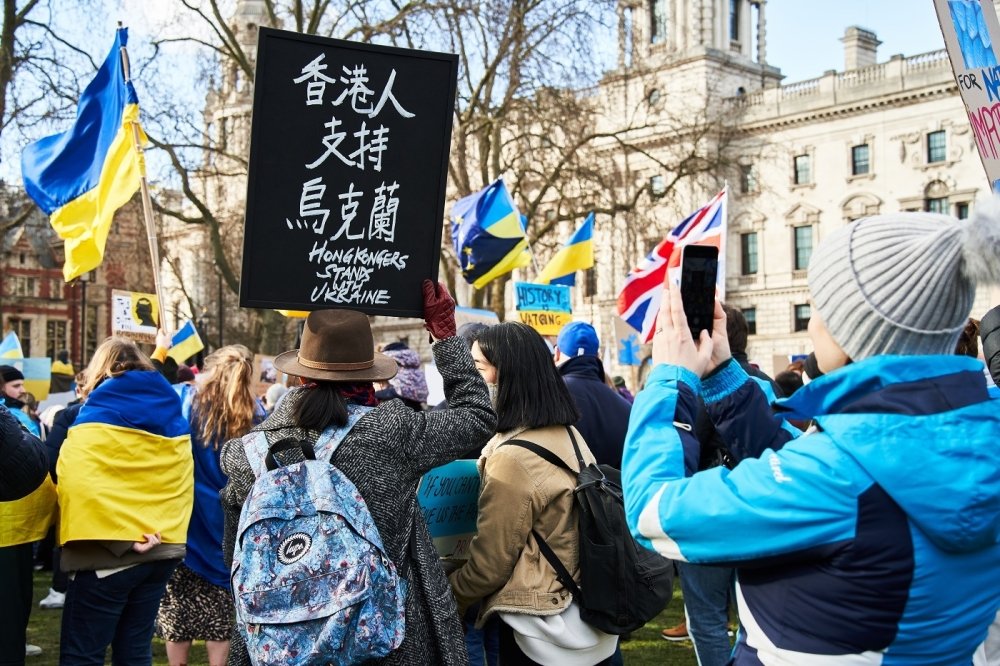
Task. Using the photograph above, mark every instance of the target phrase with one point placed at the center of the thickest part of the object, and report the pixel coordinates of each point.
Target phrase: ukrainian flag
(576, 255)
(488, 236)
(83, 175)
(11, 346)
(185, 343)
(126, 467)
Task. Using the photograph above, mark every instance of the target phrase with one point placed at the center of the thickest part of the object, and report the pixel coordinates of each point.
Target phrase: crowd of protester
(840, 509)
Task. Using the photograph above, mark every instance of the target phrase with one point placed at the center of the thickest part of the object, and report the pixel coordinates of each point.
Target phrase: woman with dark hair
(523, 496)
(386, 449)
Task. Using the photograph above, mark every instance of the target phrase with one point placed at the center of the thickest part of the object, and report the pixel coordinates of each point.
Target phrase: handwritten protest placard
(971, 31)
(347, 174)
(449, 497)
(134, 315)
(544, 307)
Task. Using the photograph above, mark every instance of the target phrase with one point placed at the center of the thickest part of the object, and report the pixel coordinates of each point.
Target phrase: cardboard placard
(627, 343)
(544, 307)
(265, 374)
(347, 174)
(449, 498)
(971, 33)
(134, 315)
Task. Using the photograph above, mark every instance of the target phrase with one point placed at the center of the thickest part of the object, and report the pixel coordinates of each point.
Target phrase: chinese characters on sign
(348, 161)
(346, 274)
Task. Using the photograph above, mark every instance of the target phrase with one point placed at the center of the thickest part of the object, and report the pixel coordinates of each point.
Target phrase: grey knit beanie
(904, 283)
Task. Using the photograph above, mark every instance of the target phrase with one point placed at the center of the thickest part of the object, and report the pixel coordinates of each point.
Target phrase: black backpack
(622, 585)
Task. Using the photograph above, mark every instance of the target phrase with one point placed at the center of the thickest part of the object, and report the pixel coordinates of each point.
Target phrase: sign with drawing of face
(134, 315)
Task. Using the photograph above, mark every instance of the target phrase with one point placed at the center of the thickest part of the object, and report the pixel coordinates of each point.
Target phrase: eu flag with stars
(488, 236)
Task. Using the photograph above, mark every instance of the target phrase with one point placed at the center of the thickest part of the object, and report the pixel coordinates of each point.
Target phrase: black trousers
(16, 567)
(511, 655)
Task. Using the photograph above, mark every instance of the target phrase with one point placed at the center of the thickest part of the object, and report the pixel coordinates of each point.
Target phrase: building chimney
(860, 48)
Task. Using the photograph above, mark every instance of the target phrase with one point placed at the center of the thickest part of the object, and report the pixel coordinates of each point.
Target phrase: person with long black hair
(523, 496)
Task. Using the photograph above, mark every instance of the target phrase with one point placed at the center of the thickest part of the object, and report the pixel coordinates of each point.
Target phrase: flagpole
(147, 207)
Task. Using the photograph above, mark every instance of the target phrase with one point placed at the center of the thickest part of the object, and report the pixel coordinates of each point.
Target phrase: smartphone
(699, 265)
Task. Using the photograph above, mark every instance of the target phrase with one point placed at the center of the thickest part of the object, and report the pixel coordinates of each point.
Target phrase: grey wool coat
(384, 455)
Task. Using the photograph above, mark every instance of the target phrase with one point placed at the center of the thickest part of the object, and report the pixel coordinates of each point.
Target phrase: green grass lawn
(645, 646)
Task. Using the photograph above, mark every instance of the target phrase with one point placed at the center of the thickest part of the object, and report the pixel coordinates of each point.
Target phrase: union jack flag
(639, 298)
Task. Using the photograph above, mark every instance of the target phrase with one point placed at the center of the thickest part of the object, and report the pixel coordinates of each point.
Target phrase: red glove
(439, 310)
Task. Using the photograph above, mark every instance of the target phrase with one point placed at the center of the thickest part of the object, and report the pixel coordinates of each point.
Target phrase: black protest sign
(348, 168)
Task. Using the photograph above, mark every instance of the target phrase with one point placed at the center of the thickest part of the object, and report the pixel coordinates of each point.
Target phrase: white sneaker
(54, 600)
(32, 650)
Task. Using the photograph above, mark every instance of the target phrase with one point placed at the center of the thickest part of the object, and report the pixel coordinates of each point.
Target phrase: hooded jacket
(871, 539)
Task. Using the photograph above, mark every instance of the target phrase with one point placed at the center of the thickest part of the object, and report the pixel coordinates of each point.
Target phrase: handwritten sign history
(971, 31)
(134, 315)
(347, 174)
(544, 307)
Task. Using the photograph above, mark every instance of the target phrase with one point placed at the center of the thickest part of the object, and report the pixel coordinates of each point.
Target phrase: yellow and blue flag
(80, 177)
(576, 255)
(11, 346)
(125, 468)
(488, 235)
(185, 343)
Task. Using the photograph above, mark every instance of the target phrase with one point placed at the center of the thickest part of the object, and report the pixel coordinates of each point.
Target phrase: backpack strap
(542, 452)
(330, 439)
(562, 573)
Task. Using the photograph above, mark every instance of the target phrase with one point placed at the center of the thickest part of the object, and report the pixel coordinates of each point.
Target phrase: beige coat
(521, 491)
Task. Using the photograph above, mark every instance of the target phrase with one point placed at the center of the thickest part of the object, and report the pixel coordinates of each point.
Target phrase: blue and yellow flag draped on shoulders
(577, 254)
(80, 177)
(126, 468)
(488, 236)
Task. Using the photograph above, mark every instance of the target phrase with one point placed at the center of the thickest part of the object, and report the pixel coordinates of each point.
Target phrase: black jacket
(603, 412)
(23, 463)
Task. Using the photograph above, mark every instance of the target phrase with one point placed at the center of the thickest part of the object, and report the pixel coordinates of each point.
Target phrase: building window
(750, 314)
(55, 337)
(22, 328)
(22, 286)
(936, 205)
(962, 210)
(748, 253)
(657, 186)
(734, 20)
(803, 173)
(860, 164)
(936, 147)
(802, 314)
(803, 247)
(590, 282)
(748, 179)
(658, 21)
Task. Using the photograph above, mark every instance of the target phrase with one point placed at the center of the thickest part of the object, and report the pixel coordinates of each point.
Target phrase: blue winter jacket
(873, 538)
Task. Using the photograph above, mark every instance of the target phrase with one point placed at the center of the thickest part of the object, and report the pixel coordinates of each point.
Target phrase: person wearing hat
(603, 411)
(14, 394)
(385, 453)
(875, 535)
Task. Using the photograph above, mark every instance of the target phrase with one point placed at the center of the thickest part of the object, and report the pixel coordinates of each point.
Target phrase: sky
(803, 35)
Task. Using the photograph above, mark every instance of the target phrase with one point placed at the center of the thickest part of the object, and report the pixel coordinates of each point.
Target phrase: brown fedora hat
(337, 346)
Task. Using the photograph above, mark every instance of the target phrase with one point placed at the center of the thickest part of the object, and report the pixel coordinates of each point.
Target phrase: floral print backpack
(311, 579)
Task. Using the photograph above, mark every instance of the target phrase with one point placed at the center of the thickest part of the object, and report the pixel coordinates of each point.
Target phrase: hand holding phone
(699, 266)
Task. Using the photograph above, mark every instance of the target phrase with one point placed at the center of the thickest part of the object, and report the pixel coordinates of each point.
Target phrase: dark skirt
(194, 609)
